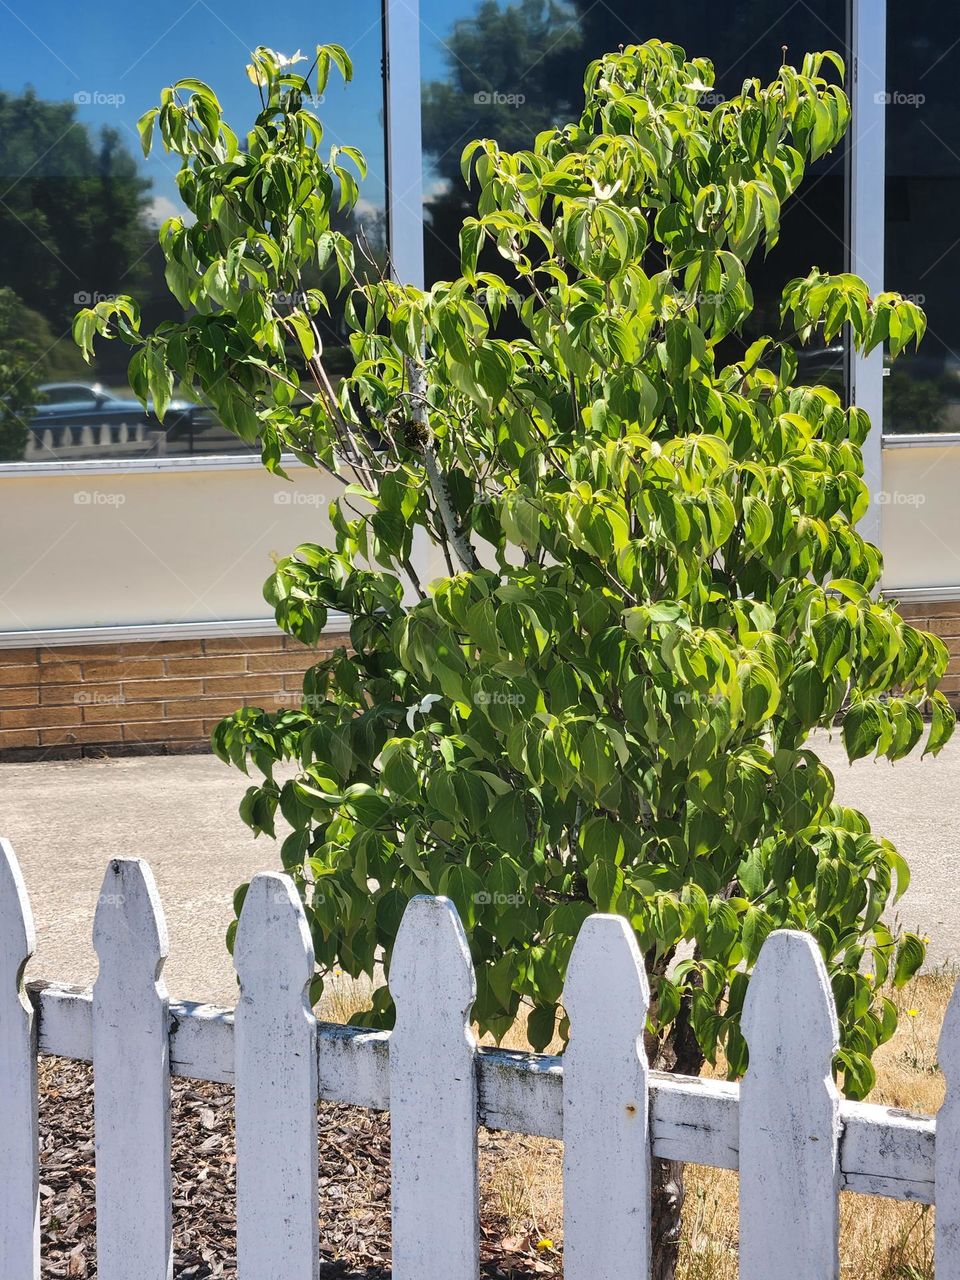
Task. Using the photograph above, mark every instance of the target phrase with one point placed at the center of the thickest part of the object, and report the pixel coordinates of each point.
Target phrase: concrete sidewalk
(180, 813)
(66, 819)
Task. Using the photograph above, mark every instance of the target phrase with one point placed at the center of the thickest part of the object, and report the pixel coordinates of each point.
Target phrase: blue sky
(123, 54)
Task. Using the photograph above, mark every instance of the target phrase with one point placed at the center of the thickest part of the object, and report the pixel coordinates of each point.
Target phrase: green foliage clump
(651, 588)
(22, 360)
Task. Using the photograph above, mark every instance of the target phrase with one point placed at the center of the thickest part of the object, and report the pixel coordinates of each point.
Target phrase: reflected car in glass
(77, 419)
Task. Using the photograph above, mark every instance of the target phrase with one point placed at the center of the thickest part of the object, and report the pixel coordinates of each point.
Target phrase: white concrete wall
(920, 515)
(98, 546)
(85, 548)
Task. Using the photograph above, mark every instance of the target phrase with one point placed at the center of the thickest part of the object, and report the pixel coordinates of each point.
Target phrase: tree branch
(460, 543)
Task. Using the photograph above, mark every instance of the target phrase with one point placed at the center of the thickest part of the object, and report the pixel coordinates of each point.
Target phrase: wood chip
(354, 1174)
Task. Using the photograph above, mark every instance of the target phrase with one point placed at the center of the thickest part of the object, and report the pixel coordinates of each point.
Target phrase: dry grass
(880, 1239)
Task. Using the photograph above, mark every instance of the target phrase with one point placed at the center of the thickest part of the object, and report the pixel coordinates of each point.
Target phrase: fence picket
(789, 1117)
(131, 1078)
(19, 1143)
(433, 1097)
(606, 1141)
(275, 1047)
(947, 1148)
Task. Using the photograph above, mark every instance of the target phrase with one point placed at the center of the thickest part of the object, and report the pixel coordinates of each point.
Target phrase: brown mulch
(354, 1169)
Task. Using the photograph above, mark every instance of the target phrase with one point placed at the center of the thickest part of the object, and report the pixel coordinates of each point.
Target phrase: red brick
(180, 710)
(284, 661)
(75, 652)
(205, 666)
(28, 696)
(243, 685)
(146, 668)
(81, 733)
(77, 694)
(18, 675)
(166, 687)
(163, 731)
(244, 644)
(39, 717)
(19, 738)
(17, 657)
(914, 609)
(161, 649)
(119, 713)
(60, 673)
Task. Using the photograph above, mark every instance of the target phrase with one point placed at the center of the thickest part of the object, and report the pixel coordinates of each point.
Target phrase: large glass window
(922, 114)
(80, 206)
(508, 70)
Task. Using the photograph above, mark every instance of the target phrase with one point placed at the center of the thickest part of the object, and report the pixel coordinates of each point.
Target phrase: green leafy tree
(24, 341)
(651, 586)
(72, 214)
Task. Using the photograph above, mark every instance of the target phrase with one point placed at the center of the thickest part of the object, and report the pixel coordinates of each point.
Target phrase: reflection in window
(508, 70)
(80, 206)
(922, 391)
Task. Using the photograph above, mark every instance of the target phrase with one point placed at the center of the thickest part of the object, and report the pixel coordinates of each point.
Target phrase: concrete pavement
(65, 819)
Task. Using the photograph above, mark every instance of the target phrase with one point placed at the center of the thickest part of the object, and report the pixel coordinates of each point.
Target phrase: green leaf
(604, 884)
(943, 720)
(863, 728)
(910, 956)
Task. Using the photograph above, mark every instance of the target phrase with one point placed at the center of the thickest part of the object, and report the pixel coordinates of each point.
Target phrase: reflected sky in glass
(113, 59)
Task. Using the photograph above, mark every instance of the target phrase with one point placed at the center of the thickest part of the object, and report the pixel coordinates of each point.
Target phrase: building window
(509, 70)
(80, 206)
(922, 116)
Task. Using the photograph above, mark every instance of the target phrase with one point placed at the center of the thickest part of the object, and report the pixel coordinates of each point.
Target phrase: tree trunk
(665, 1216)
(680, 1055)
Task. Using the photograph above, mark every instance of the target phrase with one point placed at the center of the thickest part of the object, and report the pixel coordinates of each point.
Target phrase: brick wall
(168, 695)
(943, 619)
(150, 696)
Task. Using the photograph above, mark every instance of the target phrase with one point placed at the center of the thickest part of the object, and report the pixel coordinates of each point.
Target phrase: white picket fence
(796, 1144)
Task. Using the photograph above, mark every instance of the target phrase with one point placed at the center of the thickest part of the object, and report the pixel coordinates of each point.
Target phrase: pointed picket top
(606, 990)
(606, 1139)
(789, 1116)
(129, 929)
(18, 937)
(433, 1097)
(19, 1142)
(947, 1176)
(790, 970)
(131, 1077)
(275, 1062)
(431, 944)
(273, 938)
